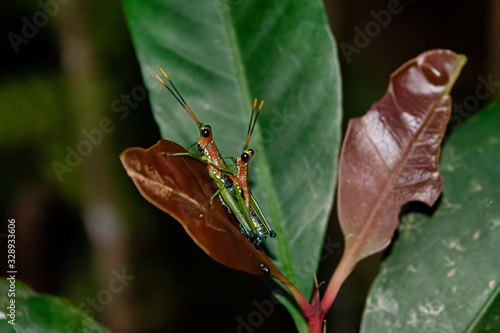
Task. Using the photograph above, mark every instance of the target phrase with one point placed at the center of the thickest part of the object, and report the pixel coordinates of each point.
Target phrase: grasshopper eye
(205, 132)
(245, 157)
(251, 152)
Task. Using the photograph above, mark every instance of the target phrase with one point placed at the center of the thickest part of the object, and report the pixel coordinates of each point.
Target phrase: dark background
(73, 234)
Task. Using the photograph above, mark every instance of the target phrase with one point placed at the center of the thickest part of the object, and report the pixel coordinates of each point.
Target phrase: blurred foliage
(37, 313)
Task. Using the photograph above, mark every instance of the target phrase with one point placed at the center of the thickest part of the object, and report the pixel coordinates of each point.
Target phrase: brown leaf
(390, 156)
(181, 187)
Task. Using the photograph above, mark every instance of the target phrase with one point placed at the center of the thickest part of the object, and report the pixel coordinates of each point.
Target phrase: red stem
(345, 267)
(301, 300)
(315, 323)
(316, 310)
(312, 312)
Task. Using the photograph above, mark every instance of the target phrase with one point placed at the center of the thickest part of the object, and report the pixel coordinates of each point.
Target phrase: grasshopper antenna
(177, 96)
(253, 121)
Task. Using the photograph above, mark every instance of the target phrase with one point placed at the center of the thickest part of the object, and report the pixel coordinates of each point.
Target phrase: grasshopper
(232, 184)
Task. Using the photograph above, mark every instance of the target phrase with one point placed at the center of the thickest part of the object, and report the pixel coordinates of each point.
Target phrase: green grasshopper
(232, 185)
(263, 227)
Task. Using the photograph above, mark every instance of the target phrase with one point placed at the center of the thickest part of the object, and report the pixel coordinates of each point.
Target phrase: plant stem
(312, 311)
(345, 267)
(299, 298)
(315, 323)
(316, 310)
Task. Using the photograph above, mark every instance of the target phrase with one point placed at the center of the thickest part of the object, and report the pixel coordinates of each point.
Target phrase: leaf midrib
(480, 314)
(265, 173)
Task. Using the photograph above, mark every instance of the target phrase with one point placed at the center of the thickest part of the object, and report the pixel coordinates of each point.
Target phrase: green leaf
(41, 313)
(443, 273)
(221, 55)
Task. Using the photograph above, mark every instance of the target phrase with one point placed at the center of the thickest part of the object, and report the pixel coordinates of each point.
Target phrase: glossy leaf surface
(181, 187)
(443, 274)
(390, 156)
(37, 313)
(221, 55)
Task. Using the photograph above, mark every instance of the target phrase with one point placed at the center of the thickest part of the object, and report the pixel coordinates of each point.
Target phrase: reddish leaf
(181, 187)
(390, 156)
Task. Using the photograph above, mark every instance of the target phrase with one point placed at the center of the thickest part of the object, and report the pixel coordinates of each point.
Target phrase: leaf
(221, 55)
(390, 156)
(37, 313)
(182, 187)
(443, 274)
